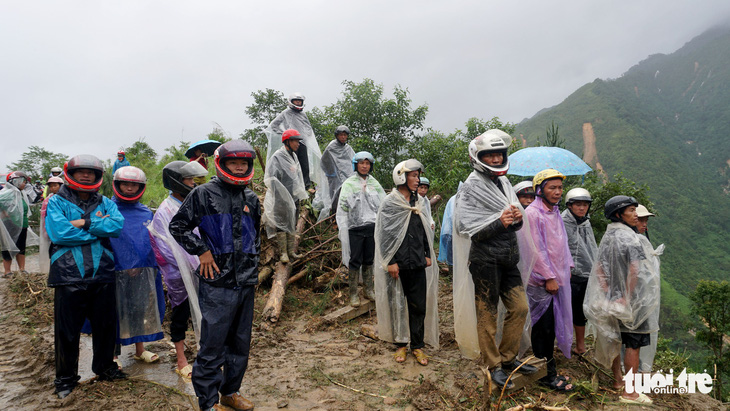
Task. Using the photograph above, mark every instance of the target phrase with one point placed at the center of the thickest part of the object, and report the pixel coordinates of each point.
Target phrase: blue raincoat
(140, 296)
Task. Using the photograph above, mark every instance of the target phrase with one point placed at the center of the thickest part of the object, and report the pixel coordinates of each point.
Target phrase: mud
(302, 364)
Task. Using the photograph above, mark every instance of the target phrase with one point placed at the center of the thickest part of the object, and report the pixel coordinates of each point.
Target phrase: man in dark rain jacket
(79, 222)
(228, 215)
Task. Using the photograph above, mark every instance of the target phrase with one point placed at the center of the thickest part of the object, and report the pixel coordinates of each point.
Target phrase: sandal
(559, 383)
(421, 356)
(185, 372)
(643, 399)
(400, 354)
(147, 356)
(119, 363)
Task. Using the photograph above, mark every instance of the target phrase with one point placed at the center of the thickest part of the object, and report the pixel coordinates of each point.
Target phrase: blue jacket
(133, 249)
(119, 164)
(81, 255)
(228, 218)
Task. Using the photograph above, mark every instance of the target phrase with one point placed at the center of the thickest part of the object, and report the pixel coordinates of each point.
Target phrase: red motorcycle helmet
(84, 161)
(290, 134)
(234, 149)
(129, 174)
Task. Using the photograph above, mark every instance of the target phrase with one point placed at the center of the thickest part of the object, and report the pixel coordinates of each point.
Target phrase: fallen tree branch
(316, 254)
(318, 223)
(298, 276)
(350, 388)
(261, 161)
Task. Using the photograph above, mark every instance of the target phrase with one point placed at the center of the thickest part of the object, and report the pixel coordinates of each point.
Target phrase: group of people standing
(524, 275)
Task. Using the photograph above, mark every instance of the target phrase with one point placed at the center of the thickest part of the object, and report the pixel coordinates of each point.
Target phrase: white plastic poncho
(359, 202)
(184, 262)
(11, 214)
(337, 164)
(646, 355)
(479, 202)
(391, 226)
(285, 187)
(623, 290)
(582, 244)
(298, 120)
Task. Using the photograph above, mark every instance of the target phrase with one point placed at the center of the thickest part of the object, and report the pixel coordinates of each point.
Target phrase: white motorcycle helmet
(295, 96)
(490, 141)
(404, 167)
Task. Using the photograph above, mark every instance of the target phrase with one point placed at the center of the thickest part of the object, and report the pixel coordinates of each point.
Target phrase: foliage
(267, 104)
(668, 359)
(553, 137)
(37, 162)
(711, 302)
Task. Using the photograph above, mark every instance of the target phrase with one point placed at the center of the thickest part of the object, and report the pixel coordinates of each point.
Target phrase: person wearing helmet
(525, 193)
(80, 222)
(227, 214)
(202, 159)
(293, 117)
(423, 186)
(643, 225)
(15, 211)
(336, 160)
(175, 263)
(548, 290)
(405, 274)
(623, 293)
(55, 172)
(285, 188)
(140, 296)
(360, 198)
(120, 162)
(488, 237)
(583, 248)
(53, 184)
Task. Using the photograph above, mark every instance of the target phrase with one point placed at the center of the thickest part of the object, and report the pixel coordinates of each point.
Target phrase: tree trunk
(272, 309)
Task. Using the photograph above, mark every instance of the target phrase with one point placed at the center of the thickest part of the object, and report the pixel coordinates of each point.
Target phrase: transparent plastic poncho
(11, 214)
(391, 226)
(479, 202)
(284, 188)
(179, 263)
(623, 290)
(552, 261)
(44, 260)
(298, 120)
(359, 202)
(582, 244)
(337, 164)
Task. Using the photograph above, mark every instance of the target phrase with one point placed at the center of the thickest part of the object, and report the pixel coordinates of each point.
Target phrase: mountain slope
(666, 123)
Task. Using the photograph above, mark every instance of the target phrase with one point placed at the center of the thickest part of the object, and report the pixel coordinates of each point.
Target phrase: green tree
(711, 302)
(141, 153)
(267, 104)
(553, 137)
(218, 134)
(174, 153)
(37, 162)
(378, 124)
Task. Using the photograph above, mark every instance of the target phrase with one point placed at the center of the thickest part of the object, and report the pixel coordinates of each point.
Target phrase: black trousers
(362, 246)
(72, 305)
(578, 287)
(543, 341)
(414, 288)
(179, 321)
(225, 340)
(303, 158)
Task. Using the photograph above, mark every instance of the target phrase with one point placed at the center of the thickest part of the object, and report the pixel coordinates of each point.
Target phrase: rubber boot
(369, 282)
(281, 238)
(290, 246)
(352, 278)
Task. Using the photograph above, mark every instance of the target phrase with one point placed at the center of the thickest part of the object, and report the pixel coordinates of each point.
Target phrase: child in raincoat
(140, 296)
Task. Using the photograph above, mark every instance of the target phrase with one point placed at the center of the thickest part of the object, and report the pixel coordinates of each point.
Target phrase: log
(298, 276)
(265, 273)
(272, 309)
(369, 330)
(347, 313)
(325, 279)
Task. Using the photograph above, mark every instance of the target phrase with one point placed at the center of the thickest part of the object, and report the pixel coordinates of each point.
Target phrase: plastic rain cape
(11, 214)
(298, 120)
(446, 240)
(479, 202)
(284, 188)
(359, 203)
(582, 244)
(391, 226)
(337, 164)
(185, 263)
(623, 291)
(138, 301)
(552, 260)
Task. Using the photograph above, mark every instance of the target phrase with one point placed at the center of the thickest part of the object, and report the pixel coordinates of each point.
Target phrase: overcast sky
(94, 76)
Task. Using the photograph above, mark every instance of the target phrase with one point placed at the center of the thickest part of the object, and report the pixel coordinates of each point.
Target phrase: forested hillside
(664, 123)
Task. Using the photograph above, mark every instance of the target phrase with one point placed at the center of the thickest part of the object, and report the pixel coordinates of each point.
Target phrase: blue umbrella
(206, 146)
(531, 160)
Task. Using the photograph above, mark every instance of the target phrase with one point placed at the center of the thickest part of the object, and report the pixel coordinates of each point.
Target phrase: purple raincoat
(553, 261)
(165, 259)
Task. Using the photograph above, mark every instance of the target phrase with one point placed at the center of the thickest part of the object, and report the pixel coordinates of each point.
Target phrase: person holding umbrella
(200, 151)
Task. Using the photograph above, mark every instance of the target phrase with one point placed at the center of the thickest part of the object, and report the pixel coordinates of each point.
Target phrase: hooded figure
(337, 160)
(406, 276)
(308, 154)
